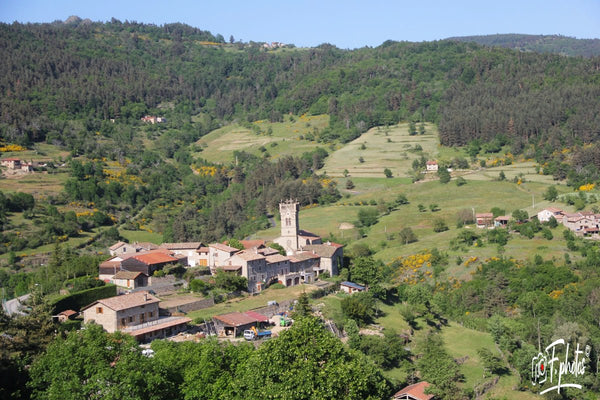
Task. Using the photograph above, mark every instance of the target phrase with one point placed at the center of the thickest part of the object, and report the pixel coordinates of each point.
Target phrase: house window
(130, 319)
(150, 314)
(142, 317)
(99, 310)
(123, 321)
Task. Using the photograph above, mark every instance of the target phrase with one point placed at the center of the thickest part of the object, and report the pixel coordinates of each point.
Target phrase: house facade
(136, 314)
(484, 220)
(547, 213)
(130, 279)
(432, 166)
(118, 312)
(351, 287)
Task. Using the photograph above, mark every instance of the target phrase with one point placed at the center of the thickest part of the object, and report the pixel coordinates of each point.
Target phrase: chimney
(145, 296)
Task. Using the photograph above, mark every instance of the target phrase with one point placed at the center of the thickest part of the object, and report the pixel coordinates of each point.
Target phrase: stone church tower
(289, 226)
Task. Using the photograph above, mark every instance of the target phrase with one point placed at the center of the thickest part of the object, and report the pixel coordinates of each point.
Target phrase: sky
(346, 24)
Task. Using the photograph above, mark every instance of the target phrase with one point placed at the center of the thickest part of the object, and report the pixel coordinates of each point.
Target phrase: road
(13, 306)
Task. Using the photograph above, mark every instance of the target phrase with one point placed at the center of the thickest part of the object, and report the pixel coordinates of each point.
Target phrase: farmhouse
(549, 212)
(120, 248)
(484, 220)
(432, 166)
(136, 314)
(11, 163)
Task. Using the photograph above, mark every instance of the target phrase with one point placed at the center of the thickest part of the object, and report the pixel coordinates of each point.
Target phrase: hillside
(54, 74)
(558, 44)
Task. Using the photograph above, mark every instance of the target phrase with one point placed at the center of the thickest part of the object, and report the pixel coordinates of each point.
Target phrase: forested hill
(558, 44)
(54, 74)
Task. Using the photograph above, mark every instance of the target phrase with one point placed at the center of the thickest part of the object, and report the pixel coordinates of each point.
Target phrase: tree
(434, 207)
(438, 368)
(551, 194)
(302, 308)
(407, 235)
(460, 181)
(501, 176)
(278, 247)
(367, 216)
(520, 215)
(94, 364)
(387, 172)
(349, 184)
(229, 281)
(308, 362)
(366, 270)
(444, 175)
(233, 242)
(439, 225)
(492, 363)
(359, 307)
(412, 128)
(361, 159)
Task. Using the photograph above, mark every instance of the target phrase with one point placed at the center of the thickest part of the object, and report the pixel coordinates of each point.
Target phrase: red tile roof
(416, 391)
(154, 258)
(259, 317)
(248, 244)
(236, 319)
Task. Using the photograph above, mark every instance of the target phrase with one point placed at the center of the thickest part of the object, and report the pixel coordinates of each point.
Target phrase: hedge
(75, 301)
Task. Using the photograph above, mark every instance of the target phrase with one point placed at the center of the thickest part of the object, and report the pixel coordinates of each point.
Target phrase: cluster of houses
(307, 257)
(583, 223)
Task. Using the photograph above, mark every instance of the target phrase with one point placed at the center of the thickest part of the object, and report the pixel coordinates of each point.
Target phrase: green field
(141, 236)
(476, 196)
(391, 148)
(286, 138)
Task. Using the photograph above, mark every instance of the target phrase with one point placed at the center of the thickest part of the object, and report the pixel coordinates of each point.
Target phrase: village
(138, 310)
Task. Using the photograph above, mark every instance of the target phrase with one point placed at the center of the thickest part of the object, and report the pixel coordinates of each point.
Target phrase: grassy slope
(385, 148)
(285, 139)
(383, 236)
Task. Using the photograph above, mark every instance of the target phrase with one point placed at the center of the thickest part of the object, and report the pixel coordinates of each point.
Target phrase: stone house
(331, 254)
(136, 314)
(219, 254)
